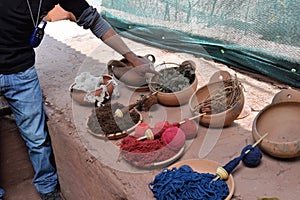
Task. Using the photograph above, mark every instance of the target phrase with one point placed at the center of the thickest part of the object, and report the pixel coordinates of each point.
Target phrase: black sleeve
(75, 6)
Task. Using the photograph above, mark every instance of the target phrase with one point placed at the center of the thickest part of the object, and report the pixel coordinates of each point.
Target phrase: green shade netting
(263, 40)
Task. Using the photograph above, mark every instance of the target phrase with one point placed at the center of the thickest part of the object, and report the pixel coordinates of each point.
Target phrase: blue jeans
(23, 93)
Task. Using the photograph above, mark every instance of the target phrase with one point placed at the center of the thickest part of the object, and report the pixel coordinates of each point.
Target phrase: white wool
(87, 82)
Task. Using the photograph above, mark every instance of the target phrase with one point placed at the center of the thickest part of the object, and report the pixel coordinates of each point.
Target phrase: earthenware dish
(217, 120)
(79, 95)
(174, 98)
(117, 135)
(282, 123)
(287, 95)
(124, 72)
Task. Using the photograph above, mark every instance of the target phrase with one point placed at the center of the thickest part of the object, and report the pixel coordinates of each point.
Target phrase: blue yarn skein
(186, 184)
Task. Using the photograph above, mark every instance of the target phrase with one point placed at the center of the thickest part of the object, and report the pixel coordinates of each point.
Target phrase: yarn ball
(173, 138)
(140, 129)
(253, 157)
(190, 128)
(159, 126)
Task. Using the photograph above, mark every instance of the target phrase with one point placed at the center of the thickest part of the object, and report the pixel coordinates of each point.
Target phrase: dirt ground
(87, 165)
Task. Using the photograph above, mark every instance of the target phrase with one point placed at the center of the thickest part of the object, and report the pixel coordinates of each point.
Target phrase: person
(19, 83)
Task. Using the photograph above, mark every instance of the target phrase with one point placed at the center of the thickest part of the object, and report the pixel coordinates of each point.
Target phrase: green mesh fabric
(261, 36)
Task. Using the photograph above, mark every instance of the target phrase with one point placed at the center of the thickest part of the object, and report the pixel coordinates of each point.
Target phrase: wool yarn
(190, 128)
(144, 153)
(250, 156)
(174, 138)
(140, 129)
(253, 158)
(160, 126)
(186, 184)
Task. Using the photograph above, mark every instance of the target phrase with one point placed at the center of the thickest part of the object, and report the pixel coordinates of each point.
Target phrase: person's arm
(91, 19)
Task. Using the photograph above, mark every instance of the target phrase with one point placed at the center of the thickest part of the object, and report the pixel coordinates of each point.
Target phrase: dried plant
(222, 98)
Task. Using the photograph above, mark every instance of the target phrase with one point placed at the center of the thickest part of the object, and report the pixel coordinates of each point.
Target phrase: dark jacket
(16, 27)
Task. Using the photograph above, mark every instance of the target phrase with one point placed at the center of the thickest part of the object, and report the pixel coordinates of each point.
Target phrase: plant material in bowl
(219, 102)
(102, 122)
(176, 83)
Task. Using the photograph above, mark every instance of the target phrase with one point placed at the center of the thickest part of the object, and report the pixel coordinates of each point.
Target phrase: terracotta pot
(175, 98)
(287, 95)
(124, 71)
(220, 75)
(217, 120)
(282, 123)
(79, 95)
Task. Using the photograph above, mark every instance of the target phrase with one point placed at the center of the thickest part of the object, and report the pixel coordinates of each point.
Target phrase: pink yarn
(190, 128)
(141, 129)
(174, 138)
(159, 126)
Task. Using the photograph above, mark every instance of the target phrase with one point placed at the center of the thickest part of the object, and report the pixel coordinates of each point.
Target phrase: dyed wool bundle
(186, 184)
(160, 127)
(144, 153)
(173, 138)
(168, 139)
(190, 128)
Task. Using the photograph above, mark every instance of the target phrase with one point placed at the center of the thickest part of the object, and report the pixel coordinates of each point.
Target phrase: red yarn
(160, 127)
(174, 138)
(144, 153)
(190, 128)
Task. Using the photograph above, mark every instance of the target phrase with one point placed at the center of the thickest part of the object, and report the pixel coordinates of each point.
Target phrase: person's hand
(58, 13)
(142, 65)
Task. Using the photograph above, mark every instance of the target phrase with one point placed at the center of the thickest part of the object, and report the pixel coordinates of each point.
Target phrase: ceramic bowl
(220, 75)
(287, 95)
(206, 166)
(117, 135)
(282, 123)
(175, 98)
(124, 72)
(217, 120)
(79, 95)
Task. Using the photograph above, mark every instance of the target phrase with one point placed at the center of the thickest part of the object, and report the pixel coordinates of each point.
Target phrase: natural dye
(103, 119)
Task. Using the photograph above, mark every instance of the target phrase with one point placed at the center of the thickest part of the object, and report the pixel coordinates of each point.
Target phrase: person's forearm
(113, 40)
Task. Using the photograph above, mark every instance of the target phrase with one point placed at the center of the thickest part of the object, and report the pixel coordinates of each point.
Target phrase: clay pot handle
(114, 63)
(150, 57)
(189, 62)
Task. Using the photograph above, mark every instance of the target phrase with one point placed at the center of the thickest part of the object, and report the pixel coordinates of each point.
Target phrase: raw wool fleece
(89, 83)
